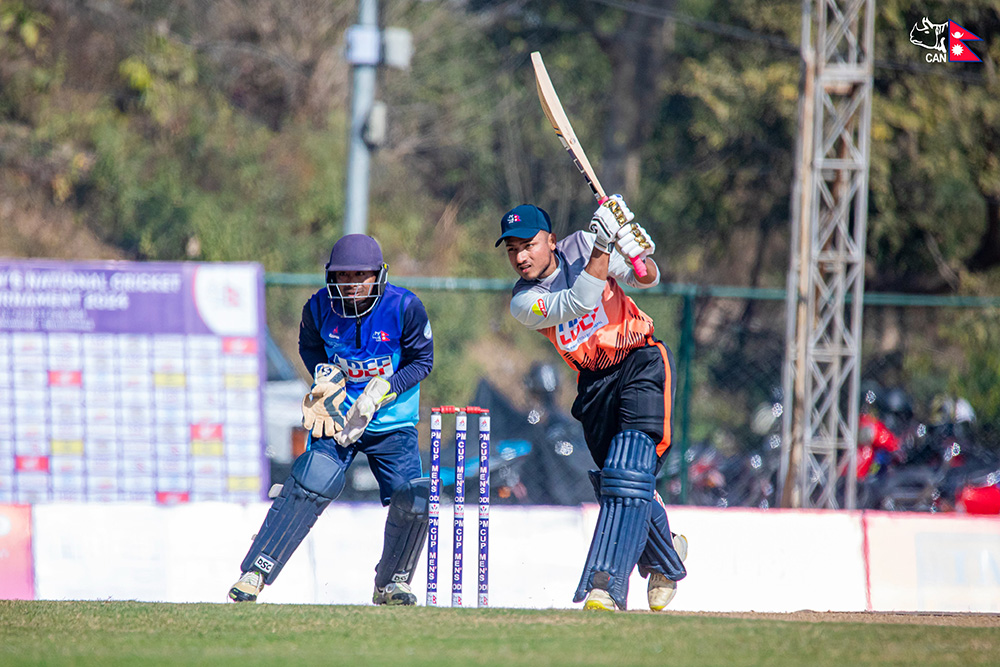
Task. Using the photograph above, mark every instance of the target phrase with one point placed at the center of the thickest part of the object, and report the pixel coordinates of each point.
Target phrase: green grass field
(135, 633)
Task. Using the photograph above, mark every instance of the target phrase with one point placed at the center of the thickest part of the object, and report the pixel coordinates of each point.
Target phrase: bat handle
(638, 265)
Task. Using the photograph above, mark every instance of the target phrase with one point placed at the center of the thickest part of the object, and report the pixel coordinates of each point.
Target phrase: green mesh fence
(923, 353)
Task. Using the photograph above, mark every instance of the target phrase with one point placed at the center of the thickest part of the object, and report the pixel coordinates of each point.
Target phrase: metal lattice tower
(821, 375)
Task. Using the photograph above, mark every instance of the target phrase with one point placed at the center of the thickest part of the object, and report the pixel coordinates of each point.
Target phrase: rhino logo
(932, 36)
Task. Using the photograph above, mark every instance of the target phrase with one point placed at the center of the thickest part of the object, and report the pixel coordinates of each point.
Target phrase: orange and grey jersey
(592, 322)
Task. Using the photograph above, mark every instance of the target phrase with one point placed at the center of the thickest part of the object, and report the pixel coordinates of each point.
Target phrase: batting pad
(659, 554)
(405, 532)
(627, 486)
(315, 481)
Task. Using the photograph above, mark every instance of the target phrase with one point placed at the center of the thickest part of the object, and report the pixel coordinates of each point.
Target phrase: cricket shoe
(660, 590)
(680, 545)
(248, 587)
(599, 599)
(394, 594)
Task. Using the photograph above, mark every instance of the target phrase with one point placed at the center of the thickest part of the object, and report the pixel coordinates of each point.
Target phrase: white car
(283, 394)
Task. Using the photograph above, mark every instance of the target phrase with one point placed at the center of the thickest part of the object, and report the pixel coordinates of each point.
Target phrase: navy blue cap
(355, 252)
(523, 222)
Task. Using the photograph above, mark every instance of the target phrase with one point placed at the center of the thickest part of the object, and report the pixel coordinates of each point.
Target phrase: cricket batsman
(569, 291)
(368, 345)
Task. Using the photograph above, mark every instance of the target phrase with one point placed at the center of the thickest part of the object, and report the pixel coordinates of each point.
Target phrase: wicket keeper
(368, 345)
(569, 291)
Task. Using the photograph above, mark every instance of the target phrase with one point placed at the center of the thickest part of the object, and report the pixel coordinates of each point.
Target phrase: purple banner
(131, 381)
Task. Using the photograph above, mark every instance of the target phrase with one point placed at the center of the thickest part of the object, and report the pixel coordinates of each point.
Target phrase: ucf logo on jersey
(362, 370)
(570, 335)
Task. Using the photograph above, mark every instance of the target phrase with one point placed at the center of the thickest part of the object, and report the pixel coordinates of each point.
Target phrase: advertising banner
(941, 562)
(131, 381)
(17, 572)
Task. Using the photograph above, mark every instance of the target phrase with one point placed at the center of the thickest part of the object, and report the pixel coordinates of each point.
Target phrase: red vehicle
(979, 499)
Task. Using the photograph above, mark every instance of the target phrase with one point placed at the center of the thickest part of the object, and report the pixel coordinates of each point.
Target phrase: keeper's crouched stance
(368, 344)
(316, 480)
(568, 291)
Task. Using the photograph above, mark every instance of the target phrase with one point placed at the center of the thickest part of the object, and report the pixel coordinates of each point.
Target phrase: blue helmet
(356, 252)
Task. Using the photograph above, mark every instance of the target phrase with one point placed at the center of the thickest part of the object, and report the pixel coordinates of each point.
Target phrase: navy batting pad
(294, 512)
(405, 532)
(627, 486)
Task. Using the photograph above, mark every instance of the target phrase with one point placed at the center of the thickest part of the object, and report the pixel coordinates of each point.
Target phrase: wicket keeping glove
(321, 406)
(608, 219)
(634, 242)
(376, 394)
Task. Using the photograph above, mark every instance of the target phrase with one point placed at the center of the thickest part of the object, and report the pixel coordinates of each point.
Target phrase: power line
(747, 35)
(723, 29)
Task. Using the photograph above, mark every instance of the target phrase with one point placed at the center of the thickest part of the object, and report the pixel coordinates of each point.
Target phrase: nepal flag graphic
(958, 52)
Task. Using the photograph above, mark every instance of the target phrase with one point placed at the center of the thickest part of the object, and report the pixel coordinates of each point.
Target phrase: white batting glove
(621, 210)
(634, 242)
(608, 219)
(376, 394)
(604, 224)
(321, 406)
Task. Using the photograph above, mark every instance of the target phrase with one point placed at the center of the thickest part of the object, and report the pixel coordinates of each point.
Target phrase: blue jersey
(393, 341)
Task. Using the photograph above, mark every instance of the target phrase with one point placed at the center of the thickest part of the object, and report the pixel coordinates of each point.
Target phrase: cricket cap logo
(523, 222)
(945, 41)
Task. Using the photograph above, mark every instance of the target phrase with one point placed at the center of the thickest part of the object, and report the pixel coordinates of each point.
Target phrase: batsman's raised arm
(537, 308)
(559, 284)
(614, 226)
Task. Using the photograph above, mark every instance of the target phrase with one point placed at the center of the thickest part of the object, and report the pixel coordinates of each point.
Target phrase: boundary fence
(733, 337)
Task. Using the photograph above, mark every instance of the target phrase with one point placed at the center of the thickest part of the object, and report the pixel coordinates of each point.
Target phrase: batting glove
(376, 394)
(608, 219)
(321, 406)
(634, 242)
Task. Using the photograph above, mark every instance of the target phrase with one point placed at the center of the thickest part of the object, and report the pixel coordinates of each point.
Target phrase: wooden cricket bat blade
(553, 110)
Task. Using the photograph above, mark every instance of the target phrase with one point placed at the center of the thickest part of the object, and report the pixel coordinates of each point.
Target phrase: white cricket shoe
(680, 546)
(248, 587)
(394, 594)
(599, 599)
(660, 590)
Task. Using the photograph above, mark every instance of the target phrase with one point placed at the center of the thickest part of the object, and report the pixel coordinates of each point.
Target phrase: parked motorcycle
(970, 480)
(936, 467)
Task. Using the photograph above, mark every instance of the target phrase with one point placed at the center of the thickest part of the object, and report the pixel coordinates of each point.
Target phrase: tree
(936, 139)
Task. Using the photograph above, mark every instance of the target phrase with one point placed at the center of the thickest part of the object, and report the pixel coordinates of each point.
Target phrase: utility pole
(367, 46)
(794, 370)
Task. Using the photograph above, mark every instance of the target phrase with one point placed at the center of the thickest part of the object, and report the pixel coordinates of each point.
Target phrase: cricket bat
(564, 130)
